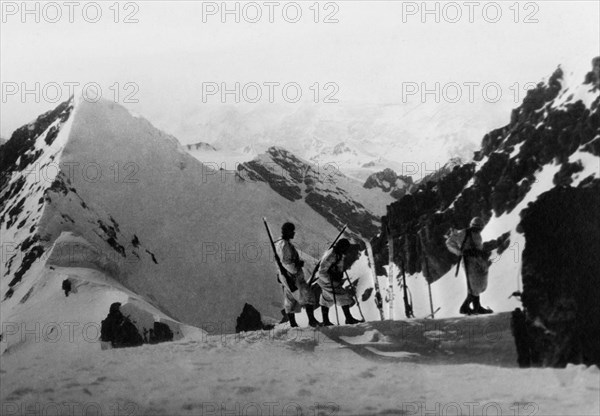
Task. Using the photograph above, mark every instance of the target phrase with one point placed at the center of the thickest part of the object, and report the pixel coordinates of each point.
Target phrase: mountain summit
(150, 222)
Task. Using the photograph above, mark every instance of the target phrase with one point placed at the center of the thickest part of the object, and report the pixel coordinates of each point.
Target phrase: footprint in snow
(18, 393)
(304, 393)
(246, 389)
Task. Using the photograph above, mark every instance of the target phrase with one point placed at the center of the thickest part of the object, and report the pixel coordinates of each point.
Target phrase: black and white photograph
(299, 208)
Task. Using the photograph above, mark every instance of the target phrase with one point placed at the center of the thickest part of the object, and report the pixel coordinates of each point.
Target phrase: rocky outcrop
(561, 277)
(130, 326)
(399, 185)
(201, 146)
(20, 150)
(250, 320)
(324, 189)
(550, 126)
(388, 181)
(118, 330)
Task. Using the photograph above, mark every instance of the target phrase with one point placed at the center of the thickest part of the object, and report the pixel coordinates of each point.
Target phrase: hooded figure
(290, 260)
(331, 280)
(469, 244)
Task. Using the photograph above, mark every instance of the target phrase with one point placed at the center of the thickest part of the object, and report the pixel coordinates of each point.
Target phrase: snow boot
(310, 312)
(292, 319)
(465, 308)
(284, 319)
(478, 309)
(350, 320)
(325, 312)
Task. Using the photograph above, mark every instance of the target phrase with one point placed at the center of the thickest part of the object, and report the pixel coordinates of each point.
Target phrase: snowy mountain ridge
(98, 197)
(551, 143)
(361, 138)
(51, 235)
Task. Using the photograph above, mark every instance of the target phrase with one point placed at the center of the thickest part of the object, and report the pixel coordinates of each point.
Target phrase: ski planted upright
(408, 307)
(378, 300)
(289, 280)
(391, 272)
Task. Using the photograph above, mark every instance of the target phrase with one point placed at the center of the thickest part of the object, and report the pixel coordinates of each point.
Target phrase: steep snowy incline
(204, 224)
(53, 241)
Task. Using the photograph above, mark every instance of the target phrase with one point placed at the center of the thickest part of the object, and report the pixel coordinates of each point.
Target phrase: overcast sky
(373, 49)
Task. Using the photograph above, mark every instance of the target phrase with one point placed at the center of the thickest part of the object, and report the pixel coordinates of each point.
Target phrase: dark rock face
(250, 320)
(277, 181)
(390, 182)
(23, 140)
(66, 286)
(561, 275)
(160, 333)
(500, 177)
(119, 330)
(201, 146)
(298, 180)
(418, 224)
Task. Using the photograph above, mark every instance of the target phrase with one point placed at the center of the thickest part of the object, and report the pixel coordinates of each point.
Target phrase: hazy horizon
(370, 55)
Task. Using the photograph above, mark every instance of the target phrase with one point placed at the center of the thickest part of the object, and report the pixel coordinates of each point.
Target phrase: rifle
(353, 288)
(462, 247)
(289, 280)
(314, 273)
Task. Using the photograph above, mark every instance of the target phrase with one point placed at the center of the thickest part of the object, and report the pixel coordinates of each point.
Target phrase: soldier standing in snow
(331, 279)
(469, 244)
(304, 296)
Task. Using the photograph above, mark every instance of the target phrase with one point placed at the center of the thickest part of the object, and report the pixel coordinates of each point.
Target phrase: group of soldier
(327, 290)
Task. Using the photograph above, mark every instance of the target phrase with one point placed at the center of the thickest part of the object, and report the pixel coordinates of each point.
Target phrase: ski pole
(355, 297)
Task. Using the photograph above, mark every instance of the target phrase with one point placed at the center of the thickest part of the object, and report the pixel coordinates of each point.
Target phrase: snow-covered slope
(177, 234)
(455, 366)
(51, 235)
(552, 141)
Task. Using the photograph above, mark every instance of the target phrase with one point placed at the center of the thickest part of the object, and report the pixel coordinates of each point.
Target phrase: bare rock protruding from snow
(388, 181)
(130, 325)
(322, 188)
(560, 276)
(201, 146)
(251, 320)
(551, 141)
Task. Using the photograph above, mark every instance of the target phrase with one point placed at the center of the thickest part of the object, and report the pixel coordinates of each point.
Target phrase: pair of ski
(378, 299)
